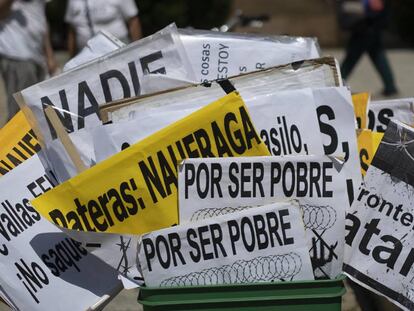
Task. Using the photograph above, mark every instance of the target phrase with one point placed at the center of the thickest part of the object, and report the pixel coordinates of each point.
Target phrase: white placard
(211, 187)
(216, 55)
(262, 244)
(379, 251)
(43, 268)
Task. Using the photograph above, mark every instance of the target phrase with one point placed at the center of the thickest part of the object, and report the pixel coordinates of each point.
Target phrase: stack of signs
(135, 191)
(379, 249)
(95, 145)
(43, 268)
(213, 187)
(261, 244)
(277, 114)
(241, 180)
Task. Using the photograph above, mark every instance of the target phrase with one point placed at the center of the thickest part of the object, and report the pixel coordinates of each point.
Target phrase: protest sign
(379, 226)
(217, 55)
(314, 73)
(262, 244)
(382, 111)
(286, 121)
(337, 124)
(43, 268)
(212, 187)
(135, 191)
(368, 143)
(18, 143)
(78, 93)
(361, 101)
(107, 141)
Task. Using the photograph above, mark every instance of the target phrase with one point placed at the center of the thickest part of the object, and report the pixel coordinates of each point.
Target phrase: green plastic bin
(321, 295)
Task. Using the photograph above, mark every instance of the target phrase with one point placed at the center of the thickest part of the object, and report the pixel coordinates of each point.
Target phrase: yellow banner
(135, 191)
(360, 102)
(18, 143)
(368, 143)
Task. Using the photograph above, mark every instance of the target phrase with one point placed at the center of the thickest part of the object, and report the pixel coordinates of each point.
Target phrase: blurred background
(293, 17)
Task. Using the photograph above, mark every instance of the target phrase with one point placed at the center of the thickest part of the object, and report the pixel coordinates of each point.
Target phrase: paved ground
(364, 78)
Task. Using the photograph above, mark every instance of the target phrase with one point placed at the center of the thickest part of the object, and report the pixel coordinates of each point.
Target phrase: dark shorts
(18, 75)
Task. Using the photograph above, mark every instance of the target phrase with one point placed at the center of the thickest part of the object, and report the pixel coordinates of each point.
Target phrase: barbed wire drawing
(318, 217)
(315, 217)
(207, 213)
(123, 262)
(263, 268)
(402, 145)
(322, 255)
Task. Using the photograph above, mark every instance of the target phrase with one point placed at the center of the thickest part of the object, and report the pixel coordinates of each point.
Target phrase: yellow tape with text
(18, 143)
(135, 191)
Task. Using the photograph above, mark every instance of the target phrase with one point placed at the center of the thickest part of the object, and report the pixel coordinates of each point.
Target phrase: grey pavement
(364, 78)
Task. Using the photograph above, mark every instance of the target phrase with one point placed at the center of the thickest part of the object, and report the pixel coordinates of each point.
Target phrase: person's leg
(18, 75)
(355, 48)
(378, 57)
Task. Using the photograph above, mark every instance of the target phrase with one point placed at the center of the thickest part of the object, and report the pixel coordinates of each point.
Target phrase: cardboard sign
(315, 73)
(379, 225)
(361, 101)
(368, 143)
(77, 94)
(43, 268)
(286, 121)
(262, 244)
(135, 191)
(18, 143)
(382, 111)
(337, 125)
(211, 187)
(217, 55)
